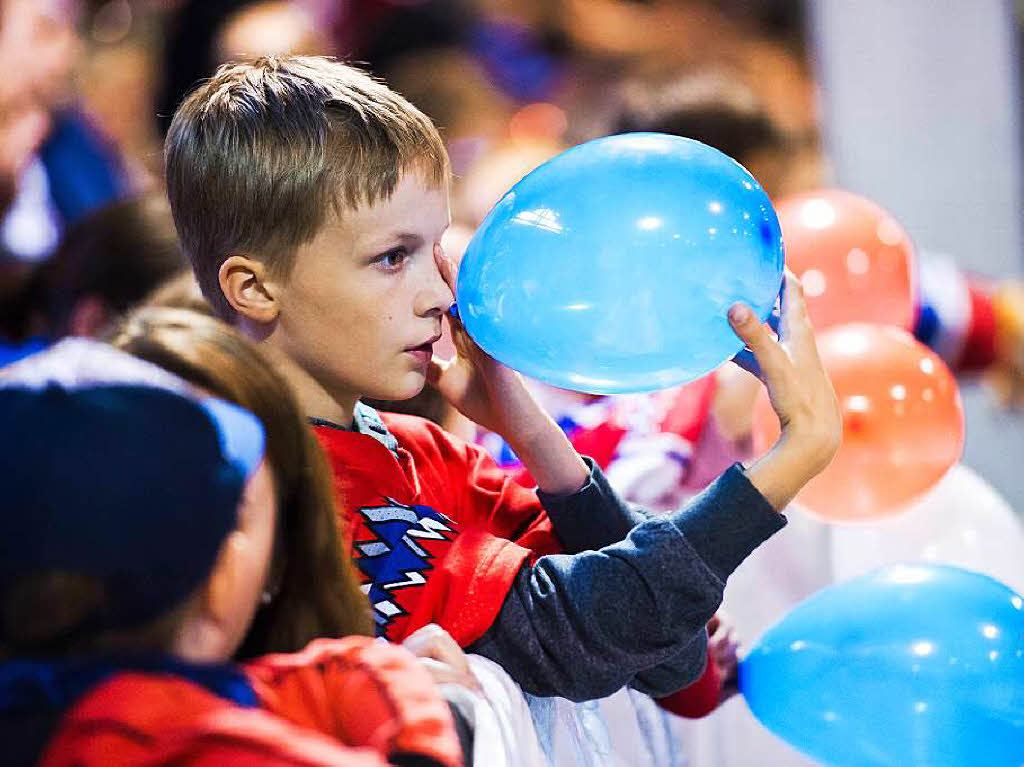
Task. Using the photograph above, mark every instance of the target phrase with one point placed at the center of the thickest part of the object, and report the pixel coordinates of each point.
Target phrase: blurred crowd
(90, 86)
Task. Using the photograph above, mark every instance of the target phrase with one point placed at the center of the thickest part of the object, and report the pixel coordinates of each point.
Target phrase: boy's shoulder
(137, 718)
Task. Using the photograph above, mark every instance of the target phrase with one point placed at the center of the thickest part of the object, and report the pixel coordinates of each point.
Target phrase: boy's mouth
(425, 350)
(426, 346)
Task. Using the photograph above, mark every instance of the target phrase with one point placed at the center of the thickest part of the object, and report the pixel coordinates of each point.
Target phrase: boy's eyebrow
(406, 238)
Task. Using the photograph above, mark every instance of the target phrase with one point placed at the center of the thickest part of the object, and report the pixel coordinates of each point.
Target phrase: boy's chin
(406, 389)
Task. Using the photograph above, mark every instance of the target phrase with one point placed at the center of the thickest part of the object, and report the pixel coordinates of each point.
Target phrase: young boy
(311, 201)
(135, 542)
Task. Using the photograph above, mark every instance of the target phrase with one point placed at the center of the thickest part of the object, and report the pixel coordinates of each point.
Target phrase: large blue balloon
(908, 665)
(611, 268)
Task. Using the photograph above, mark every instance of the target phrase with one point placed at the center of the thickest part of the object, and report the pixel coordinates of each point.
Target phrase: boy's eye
(392, 259)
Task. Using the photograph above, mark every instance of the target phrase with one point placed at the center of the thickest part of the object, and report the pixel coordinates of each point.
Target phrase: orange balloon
(903, 424)
(856, 262)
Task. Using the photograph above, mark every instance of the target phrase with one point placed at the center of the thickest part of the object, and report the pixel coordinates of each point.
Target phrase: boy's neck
(314, 399)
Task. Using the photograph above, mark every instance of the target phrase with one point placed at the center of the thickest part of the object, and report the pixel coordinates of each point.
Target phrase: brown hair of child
(714, 107)
(257, 156)
(107, 262)
(317, 592)
(47, 614)
(180, 292)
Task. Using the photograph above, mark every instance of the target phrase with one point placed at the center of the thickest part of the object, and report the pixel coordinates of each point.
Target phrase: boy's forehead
(415, 207)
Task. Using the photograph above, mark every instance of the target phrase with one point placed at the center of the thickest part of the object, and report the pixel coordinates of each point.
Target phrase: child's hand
(442, 656)
(487, 392)
(800, 393)
(472, 382)
(732, 407)
(722, 648)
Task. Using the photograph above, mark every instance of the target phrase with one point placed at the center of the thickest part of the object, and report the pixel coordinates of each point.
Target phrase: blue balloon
(908, 665)
(611, 268)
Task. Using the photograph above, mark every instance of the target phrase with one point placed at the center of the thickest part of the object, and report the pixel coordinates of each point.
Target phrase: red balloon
(856, 262)
(903, 424)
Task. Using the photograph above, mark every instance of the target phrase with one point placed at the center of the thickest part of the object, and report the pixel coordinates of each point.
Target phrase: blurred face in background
(40, 47)
(38, 52)
(275, 28)
(630, 29)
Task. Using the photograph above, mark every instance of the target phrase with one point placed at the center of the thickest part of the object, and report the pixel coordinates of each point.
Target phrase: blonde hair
(258, 155)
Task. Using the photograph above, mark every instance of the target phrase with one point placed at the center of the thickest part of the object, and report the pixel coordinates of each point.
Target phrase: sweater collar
(365, 420)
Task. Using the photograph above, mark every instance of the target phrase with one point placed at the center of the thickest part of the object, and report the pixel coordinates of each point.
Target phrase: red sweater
(439, 533)
(351, 702)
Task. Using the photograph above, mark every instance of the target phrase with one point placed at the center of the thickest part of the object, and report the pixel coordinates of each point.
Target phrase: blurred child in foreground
(117, 626)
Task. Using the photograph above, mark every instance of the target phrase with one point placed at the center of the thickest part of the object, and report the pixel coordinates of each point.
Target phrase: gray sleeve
(677, 672)
(582, 626)
(592, 517)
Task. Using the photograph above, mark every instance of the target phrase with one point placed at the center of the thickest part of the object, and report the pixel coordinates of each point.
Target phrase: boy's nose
(437, 293)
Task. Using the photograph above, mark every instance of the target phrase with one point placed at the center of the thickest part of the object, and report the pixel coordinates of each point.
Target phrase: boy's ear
(247, 287)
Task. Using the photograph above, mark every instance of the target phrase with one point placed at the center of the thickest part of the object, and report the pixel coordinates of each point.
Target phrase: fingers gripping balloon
(612, 267)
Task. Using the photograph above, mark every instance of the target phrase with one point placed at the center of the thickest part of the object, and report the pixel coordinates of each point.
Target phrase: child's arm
(488, 393)
(716, 684)
(582, 626)
(801, 395)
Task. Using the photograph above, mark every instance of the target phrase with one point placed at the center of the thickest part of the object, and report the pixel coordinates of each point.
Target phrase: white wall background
(921, 106)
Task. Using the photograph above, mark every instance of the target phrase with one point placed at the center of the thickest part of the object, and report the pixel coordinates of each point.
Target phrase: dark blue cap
(112, 468)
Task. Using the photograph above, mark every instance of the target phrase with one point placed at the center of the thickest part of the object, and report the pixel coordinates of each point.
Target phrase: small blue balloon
(908, 665)
(612, 267)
